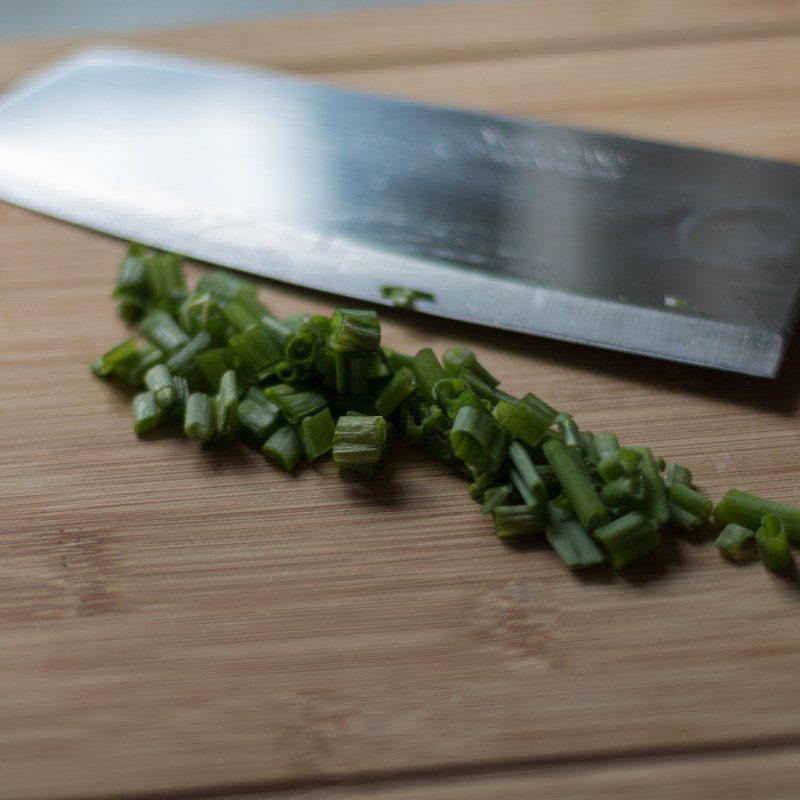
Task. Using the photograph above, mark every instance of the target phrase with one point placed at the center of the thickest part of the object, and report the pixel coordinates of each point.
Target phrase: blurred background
(55, 17)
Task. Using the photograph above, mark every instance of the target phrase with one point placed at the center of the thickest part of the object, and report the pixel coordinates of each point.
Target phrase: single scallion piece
(164, 275)
(678, 474)
(496, 496)
(622, 491)
(116, 357)
(395, 360)
(529, 420)
(428, 371)
(748, 509)
(684, 519)
(215, 363)
(182, 361)
(397, 389)
(316, 434)
(401, 297)
(606, 444)
(735, 540)
(295, 404)
(359, 444)
(256, 348)
(654, 503)
(773, 544)
(576, 483)
(224, 284)
(257, 419)
(627, 538)
(571, 541)
(688, 499)
(589, 447)
(301, 348)
(514, 522)
(283, 447)
(527, 471)
(619, 463)
(227, 406)
(458, 358)
(159, 381)
(147, 414)
(355, 330)
(199, 417)
(569, 431)
(478, 440)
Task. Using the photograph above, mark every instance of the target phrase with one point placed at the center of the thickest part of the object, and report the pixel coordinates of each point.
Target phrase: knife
(678, 253)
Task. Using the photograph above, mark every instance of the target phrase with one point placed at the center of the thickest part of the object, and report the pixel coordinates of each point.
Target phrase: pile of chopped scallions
(215, 361)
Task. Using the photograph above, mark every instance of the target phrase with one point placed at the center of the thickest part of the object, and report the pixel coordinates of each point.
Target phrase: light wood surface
(180, 621)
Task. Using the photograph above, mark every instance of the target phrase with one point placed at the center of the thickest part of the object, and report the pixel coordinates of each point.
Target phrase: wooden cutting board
(188, 623)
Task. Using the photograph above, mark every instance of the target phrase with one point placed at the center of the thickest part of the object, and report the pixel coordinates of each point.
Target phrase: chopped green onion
(688, 499)
(428, 371)
(256, 348)
(276, 330)
(359, 444)
(301, 348)
(215, 363)
(478, 440)
(357, 370)
(589, 447)
(284, 447)
(257, 419)
(227, 406)
(132, 370)
(572, 543)
(395, 360)
(480, 484)
(458, 358)
(682, 518)
(164, 275)
(569, 431)
(397, 388)
(355, 330)
(400, 297)
(117, 356)
(496, 496)
(622, 491)
(224, 284)
(654, 503)
(773, 544)
(239, 314)
(201, 311)
(182, 361)
(627, 538)
(316, 434)
(513, 522)
(146, 413)
(528, 473)
(734, 539)
(159, 381)
(295, 404)
(473, 382)
(577, 484)
(748, 509)
(199, 417)
(678, 474)
(619, 463)
(529, 420)
(296, 322)
(606, 443)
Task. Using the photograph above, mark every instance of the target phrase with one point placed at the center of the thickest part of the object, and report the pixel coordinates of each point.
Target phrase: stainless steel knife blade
(684, 254)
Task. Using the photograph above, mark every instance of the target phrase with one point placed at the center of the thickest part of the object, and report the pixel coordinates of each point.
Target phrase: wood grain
(734, 776)
(442, 34)
(179, 620)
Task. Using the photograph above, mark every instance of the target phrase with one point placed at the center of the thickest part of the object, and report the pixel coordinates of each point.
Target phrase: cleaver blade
(678, 253)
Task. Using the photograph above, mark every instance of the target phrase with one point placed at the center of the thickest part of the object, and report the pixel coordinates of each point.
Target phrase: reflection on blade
(529, 227)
